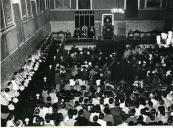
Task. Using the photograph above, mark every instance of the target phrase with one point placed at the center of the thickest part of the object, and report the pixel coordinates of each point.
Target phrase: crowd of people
(93, 87)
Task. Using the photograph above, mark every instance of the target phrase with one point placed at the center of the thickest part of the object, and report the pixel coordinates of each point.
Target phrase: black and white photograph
(86, 63)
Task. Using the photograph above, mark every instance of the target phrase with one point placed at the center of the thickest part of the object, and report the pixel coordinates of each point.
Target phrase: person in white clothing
(10, 121)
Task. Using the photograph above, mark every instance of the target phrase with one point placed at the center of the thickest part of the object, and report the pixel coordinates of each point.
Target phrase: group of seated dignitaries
(81, 88)
(84, 32)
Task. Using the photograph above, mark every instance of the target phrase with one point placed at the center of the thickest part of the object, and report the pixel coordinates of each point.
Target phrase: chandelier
(165, 40)
(117, 10)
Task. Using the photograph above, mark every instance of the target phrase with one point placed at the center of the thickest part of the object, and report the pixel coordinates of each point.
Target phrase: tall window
(169, 3)
(155, 4)
(41, 5)
(108, 4)
(23, 8)
(62, 4)
(2, 16)
(38, 5)
(52, 4)
(84, 18)
(28, 2)
(6, 14)
(47, 4)
(84, 4)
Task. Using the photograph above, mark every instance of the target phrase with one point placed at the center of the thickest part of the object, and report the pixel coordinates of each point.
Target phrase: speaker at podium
(107, 26)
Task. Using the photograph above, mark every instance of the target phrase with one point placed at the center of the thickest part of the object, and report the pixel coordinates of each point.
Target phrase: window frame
(12, 23)
(77, 8)
(146, 1)
(62, 8)
(77, 5)
(151, 8)
(26, 17)
(124, 8)
(80, 14)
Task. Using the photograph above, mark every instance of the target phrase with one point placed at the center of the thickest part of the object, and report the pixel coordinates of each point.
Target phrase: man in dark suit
(116, 113)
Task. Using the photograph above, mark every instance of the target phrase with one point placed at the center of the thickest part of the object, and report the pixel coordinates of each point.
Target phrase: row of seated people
(85, 32)
(20, 81)
(142, 34)
(86, 92)
(141, 37)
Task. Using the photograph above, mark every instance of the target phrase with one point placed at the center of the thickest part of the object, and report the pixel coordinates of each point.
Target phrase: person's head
(38, 119)
(152, 117)
(140, 119)
(36, 111)
(170, 120)
(85, 107)
(161, 110)
(47, 118)
(97, 108)
(80, 113)
(111, 101)
(117, 103)
(107, 106)
(101, 101)
(60, 117)
(131, 123)
(10, 84)
(55, 107)
(109, 123)
(132, 112)
(107, 111)
(122, 100)
(19, 123)
(142, 111)
(76, 103)
(150, 104)
(75, 112)
(127, 104)
(95, 118)
(86, 93)
(153, 111)
(164, 94)
(41, 121)
(81, 99)
(49, 99)
(70, 113)
(101, 116)
(56, 122)
(142, 101)
(10, 117)
(160, 122)
(85, 101)
(7, 90)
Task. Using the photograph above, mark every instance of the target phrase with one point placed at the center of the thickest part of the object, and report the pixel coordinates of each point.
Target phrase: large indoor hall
(86, 63)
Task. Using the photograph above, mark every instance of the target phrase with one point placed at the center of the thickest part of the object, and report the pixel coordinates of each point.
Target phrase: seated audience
(87, 92)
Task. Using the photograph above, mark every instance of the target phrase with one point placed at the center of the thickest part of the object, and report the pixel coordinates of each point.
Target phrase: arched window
(23, 9)
(7, 18)
(28, 2)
